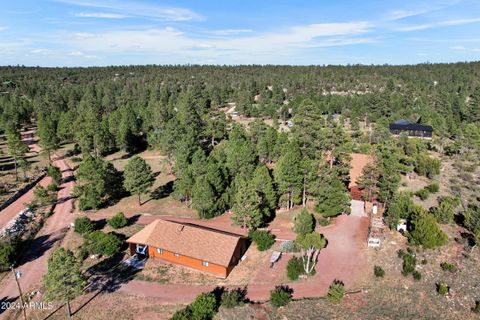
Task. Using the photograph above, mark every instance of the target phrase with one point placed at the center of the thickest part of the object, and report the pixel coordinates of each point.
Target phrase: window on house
(205, 263)
(176, 254)
(160, 251)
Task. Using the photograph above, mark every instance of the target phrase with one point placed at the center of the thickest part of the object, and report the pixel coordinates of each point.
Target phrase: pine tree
(63, 280)
(246, 210)
(332, 198)
(304, 222)
(288, 175)
(138, 177)
(16, 149)
(47, 132)
(262, 183)
(204, 198)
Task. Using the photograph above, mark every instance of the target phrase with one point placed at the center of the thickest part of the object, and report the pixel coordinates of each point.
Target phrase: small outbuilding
(411, 129)
(194, 246)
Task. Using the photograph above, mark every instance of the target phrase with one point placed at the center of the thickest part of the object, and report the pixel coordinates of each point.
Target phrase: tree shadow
(100, 224)
(162, 191)
(37, 247)
(133, 219)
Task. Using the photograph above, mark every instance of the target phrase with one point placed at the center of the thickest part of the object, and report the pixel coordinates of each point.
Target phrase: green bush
(417, 275)
(422, 194)
(304, 222)
(476, 309)
(280, 296)
(287, 246)
(52, 187)
(118, 221)
(233, 298)
(336, 292)
(378, 272)
(433, 187)
(204, 306)
(442, 288)
(295, 268)
(409, 264)
(323, 222)
(448, 267)
(55, 174)
(105, 244)
(263, 239)
(426, 232)
(83, 225)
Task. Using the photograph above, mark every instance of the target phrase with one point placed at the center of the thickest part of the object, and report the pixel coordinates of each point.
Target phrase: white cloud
(229, 32)
(132, 8)
(445, 23)
(458, 48)
(100, 15)
(476, 50)
(3, 28)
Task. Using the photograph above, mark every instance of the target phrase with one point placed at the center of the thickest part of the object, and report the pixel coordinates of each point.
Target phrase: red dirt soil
(34, 262)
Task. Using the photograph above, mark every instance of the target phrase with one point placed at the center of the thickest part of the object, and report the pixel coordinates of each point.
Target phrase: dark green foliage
(378, 272)
(63, 281)
(417, 276)
(333, 198)
(118, 221)
(233, 298)
(7, 254)
(55, 174)
(442, 288)
(263, 239)
(409, 264)
(138, 176)
(476, 308)
(422, 194)
(426, 232)
(99, 182)
(52, 187)
(280, 296)
(203, 307)
(84, 225)
(105, 244)
(304, 222)
(448, 267)
(426, 166)
(323, 222)
(288, 175)
(42, 196)
(402, 206)
(247, 210)
(295, 268)
(445, 211)
(472, 221)
(336, 291)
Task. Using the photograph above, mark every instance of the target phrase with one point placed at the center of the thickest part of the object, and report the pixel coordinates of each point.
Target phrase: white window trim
(205, 263)
(159, 250)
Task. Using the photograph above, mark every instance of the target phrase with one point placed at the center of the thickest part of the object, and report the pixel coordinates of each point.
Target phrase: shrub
(118, 221)
(323, 222)
(445, 211)
(336, 291)
(409, 264)
(422, 194)
(448, 267)
(233, 298)
(295, 268)
(182, 314)
(7, 254)
(83, 225)
(105, 244)
(417, 275)
(280, 296)
(204, 306)
(263, 239)
(426, 232)
(304, 222)
(42, 196)
(287, 246)
(55, 174)
(378, 272)
(433, 187)
(442, 288)
(424, 261)
(476, 309)
(52, 187)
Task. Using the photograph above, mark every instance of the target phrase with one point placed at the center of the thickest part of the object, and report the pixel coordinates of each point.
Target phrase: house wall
(220, 271)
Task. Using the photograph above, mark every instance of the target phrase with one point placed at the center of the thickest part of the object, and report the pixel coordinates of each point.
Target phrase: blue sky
(112, 32)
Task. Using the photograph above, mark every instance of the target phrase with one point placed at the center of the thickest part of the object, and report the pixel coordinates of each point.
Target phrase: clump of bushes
(233, 298)
(263, 239)
(409, 263)
(336, 292)
(426, 231)
(280, 296)
(417, 275)
(8, 249)
(476, 309)
(422, 194)
(55, 174)
(118, 221)
(203, 307)
(83, 225)
(287, 246)
(445, 211)
(295, 268)
(323, 222)
(448, 267)
(433, 187)
(101, 243)
(378, 272)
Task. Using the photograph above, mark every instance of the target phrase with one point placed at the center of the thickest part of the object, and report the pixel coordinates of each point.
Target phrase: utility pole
(16, 276)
